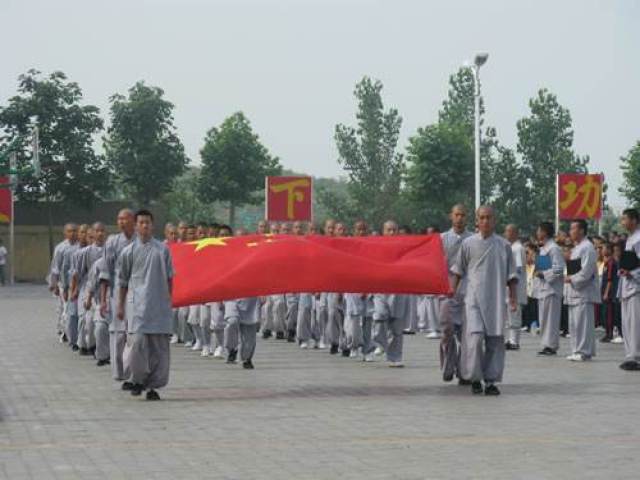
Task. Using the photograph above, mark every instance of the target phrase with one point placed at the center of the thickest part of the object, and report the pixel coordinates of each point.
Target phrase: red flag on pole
(216, 269)
(5, 200)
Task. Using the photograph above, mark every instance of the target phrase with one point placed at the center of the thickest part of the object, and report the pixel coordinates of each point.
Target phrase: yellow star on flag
(209, 242)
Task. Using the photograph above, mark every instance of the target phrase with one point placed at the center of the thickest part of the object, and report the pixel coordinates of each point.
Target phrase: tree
(183, 201)
(234, 164)
(545, 140)
(368, 154)
(441, 169)
(71, 170)
(142, 146)
(631, 174)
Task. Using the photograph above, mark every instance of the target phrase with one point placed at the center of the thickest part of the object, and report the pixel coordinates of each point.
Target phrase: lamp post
(480, 60)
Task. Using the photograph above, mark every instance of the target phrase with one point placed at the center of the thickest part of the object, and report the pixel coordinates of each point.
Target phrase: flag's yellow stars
(209, 242)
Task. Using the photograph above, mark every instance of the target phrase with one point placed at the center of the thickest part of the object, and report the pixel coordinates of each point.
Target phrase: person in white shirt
(3, 262)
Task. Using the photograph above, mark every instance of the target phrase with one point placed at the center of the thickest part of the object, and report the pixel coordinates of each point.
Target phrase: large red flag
(216, 269)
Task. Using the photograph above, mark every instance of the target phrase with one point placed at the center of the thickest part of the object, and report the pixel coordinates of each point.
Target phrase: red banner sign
(289, 198)
(580, 196)
(5, 201)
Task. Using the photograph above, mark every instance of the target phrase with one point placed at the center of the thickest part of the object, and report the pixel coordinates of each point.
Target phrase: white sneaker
(197, 345)
(617, 340)
(368, 358)
(188, 344)
(304, 345)
(206, 351)
(61, 337)
(218, 352)
(568, 335)
(174, 339)
(354, 353)
(576, 357)
(322, 345)
(396, 364)
(379, 351)
(433, 335)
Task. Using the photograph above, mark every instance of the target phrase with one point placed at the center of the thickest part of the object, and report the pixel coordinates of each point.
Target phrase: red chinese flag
(216, 269)
(580, 196)
(5, 201)
(289, 199)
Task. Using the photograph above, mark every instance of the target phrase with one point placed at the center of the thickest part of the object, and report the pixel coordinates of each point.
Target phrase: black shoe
(279, 335)
(137, 389)
(127, 386)
(491, 389)
(291, 337)
(334, 349)
(630, 365)
(408, 332)
(84, 352)
(231, 358)
(92, 351)
(447, 377)
(266, 334)
(546, 352)
(152, 395)
(605, 339)
(476, 388)
(346, 352)
(511, 346)
(75, 348)
(102, 363)
(64, 338)
(247, 365)
(463, 382)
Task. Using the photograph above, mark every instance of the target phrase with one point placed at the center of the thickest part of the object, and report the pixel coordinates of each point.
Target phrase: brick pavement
(305, 414)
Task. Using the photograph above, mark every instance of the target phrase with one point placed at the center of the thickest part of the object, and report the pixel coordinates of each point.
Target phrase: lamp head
(481, 59)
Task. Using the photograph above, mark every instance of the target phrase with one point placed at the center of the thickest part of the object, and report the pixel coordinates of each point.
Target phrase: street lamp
(481, 59)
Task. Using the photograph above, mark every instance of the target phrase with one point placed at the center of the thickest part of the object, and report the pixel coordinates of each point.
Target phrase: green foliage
(441, 170)
(545, 140)
(368, 154)
(234, 164)
(183, 201)
(631, 174)
(142, 146)
(71, 170)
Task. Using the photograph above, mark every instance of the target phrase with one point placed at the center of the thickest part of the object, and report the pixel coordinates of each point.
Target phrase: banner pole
(12, 249)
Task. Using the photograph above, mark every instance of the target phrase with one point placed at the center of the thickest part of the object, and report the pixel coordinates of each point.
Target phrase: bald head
(511, 232)
(458, 217)
(486, 220)
(71, 232)
(390, 228)
(126, 221)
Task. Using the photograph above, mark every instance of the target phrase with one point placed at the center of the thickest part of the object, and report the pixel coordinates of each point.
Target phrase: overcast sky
(291, 65)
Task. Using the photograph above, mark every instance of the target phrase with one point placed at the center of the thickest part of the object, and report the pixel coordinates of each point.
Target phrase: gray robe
(549, 291)
(629, 294)
(242, 317)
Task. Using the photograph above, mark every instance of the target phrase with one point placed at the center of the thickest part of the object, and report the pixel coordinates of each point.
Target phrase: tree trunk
(232, 214)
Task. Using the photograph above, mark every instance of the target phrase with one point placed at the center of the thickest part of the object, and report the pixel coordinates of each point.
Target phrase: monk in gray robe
(100, 323)
(390, 316)
(145, 281)
(241, 317)
(583, 293)
(304, 331)
(108, 297)
(71, 304)
(70, 233)
(629, 293)
(451, 310)
(549, 286)
(514, 322)
(486, 260)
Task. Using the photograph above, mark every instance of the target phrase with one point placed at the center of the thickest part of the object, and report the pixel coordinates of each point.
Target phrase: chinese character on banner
(5, 200)
(580, 196)
(288, 198)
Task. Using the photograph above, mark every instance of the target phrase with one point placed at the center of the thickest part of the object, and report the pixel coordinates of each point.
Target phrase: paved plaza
(306, 414)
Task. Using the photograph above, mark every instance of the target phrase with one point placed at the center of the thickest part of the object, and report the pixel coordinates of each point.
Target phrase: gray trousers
(185, 333)
(483, 357)
(292, 316)
(217, 327)
(582, 329)
(175, 324)
(335, 327)
(60, 319)
(205, 325)
(279, 313)
(101, 334)
(117, 341)
(319, 324)
(452, 338)
(303, 328)
(358, 331)
(388, 334)
(89, 328)
(243, 334)
(149, 359)
(71, 322)
(514, 324)
(549, 310)
(631, 327)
